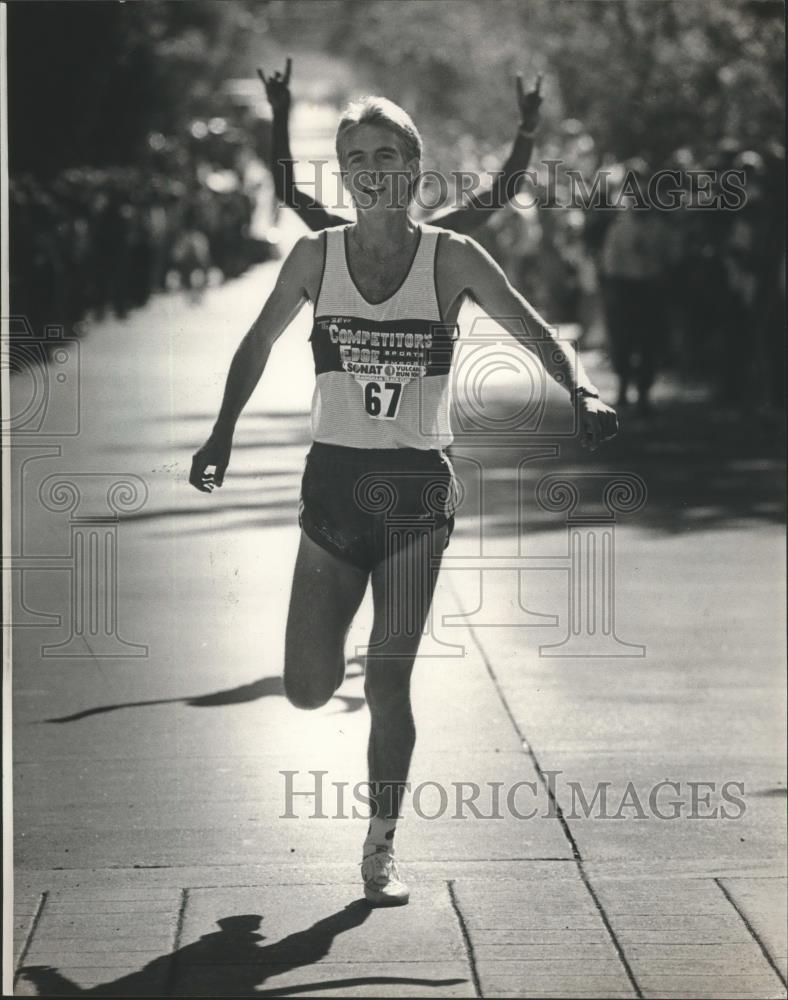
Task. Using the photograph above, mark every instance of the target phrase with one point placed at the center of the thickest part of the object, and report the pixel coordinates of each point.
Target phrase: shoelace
(383, 865)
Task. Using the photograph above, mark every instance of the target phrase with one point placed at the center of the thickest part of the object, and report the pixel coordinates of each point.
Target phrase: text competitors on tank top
(382, 370)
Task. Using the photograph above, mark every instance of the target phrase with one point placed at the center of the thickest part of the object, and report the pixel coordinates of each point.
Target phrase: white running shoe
(382, 885)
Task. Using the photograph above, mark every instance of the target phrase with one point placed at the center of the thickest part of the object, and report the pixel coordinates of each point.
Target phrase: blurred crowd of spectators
(699, 290)
(98, 239)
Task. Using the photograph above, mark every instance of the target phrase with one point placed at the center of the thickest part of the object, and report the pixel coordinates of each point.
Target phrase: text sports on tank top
(381, 370)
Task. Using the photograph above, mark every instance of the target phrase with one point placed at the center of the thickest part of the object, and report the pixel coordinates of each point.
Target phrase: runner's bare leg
(326, 594)
(402, 589)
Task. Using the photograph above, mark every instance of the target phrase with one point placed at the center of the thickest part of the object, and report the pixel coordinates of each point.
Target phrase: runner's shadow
(232, 962)
(265, 687)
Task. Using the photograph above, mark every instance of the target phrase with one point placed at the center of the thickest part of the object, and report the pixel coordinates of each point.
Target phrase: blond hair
(381, 111)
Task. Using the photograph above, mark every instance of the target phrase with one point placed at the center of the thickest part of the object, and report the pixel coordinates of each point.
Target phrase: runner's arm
(470, 270)
(482, 204)
(298, 277)
(311, 211)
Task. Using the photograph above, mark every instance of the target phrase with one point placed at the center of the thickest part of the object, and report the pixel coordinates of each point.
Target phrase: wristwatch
(583, 390)
(527, 133)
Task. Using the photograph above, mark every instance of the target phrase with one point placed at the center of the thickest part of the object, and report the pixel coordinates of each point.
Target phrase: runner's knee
(387, 686)
(307, 693)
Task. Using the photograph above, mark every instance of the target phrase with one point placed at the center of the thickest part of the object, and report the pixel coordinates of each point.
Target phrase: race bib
(382, 356)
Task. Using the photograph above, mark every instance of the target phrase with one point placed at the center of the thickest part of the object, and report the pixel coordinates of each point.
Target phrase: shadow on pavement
(265, 687)
(232, 962)
(703, 467)
(297, 417)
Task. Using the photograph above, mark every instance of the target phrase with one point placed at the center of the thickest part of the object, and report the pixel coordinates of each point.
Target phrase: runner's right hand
(215, 452)
(277, 88)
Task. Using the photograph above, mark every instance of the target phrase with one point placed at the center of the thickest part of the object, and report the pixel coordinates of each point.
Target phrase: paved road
(151, 732)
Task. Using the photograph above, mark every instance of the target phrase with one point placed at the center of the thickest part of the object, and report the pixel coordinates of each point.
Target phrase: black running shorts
(362, 504)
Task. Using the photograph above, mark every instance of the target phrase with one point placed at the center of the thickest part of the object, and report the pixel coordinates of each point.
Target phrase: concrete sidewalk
(152, 856)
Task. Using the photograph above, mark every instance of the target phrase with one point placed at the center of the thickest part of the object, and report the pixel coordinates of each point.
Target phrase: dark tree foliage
(89, 80)
(643, 76)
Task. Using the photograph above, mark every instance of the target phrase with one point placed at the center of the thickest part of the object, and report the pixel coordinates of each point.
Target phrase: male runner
(474, 213)
(386, 295)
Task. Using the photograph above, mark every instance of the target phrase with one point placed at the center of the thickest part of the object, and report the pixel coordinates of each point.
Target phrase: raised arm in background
(475, 212)
(482, 204)
(308, 209)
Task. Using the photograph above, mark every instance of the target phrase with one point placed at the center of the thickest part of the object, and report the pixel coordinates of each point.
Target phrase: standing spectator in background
(191, 255)
(752, 256)
(771, 290)
(635, 260)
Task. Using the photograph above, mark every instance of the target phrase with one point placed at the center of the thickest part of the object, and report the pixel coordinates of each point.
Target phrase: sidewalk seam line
(768, 863)
(559, 813)
(267, 864)
(466, 938)
(609, 928)
(524, 743)
(755, 936)
(34, 922)
(172, 971)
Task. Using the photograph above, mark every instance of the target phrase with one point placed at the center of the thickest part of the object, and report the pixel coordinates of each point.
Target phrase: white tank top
(382, 369)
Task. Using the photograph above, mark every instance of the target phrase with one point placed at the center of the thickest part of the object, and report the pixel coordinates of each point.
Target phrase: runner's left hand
(529, 103)
(597, 422)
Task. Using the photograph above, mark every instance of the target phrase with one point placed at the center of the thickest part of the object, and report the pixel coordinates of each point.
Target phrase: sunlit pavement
(151, 849)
